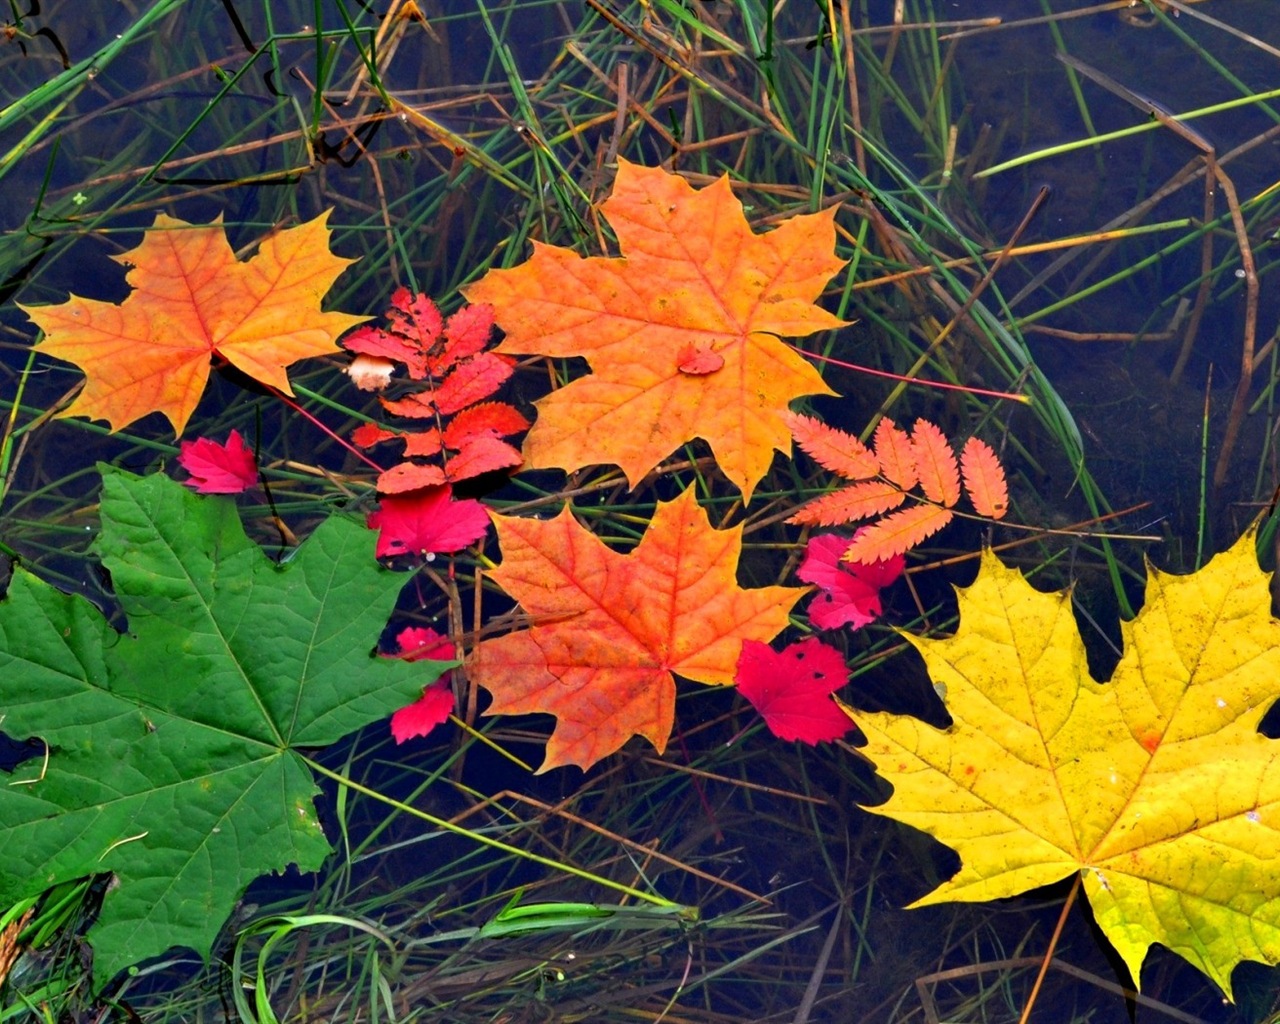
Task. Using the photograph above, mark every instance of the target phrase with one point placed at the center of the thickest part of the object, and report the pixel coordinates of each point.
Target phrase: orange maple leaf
(611, 628)
(681, 332)
(192, 298)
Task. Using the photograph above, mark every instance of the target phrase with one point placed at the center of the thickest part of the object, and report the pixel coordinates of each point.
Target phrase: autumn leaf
(681, 332)
(984, 479)
(421, 643)
(849, 591)
(175, 750)
(884, 476)
(427, 522)
(792, 689)
(454, 376)
(1156, 787)
(610, 629)
(192, 300)
(228, 468)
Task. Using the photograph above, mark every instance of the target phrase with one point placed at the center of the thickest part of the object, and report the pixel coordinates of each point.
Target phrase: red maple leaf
(436, 703)
(219, 468)
(427, 522)
(792, 688)
(850, 591)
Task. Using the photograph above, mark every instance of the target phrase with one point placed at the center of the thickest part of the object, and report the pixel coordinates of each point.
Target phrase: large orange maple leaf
(192, 298)
(610, 629)
(681, 332)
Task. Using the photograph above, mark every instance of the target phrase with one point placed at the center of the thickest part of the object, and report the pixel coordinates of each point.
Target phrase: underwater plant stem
(1048, 953)
(484, 840)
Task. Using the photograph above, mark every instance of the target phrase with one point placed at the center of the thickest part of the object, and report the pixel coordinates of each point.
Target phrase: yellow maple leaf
(192, 298)
(1156, 786)
(681, 332)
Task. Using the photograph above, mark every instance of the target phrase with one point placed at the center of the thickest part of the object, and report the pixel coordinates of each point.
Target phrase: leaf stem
(1048, 953)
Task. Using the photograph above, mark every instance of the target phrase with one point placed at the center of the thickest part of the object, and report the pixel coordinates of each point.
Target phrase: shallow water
(159, 127)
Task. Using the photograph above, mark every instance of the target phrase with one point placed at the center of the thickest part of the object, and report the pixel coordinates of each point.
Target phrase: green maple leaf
(173, 749)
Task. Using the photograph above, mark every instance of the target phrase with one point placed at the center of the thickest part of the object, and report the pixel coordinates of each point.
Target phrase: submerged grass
(445, 143)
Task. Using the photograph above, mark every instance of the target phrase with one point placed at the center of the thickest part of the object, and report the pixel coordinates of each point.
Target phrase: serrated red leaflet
(472, 382)
(898, 532)
(832, 448)
(423, 444)
(936, 467)
(419, 406)
(368, 434)
(984, 479)
(896, 456)
(410, 476)
(489, 419)
(857, 501)
(481, 455)
(427, 522)
(792, 688)
(466, 332)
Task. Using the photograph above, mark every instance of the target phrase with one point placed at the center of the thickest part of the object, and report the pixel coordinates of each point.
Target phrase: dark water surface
(158, 128)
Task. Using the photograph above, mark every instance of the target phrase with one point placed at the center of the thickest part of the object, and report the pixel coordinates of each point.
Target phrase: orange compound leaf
(481, 455)
(193, 299)
(489, 419)
(857, 501)
(897, 533)
(984, 479)
(936, 466)
(612, 628)
(896, 454)
(693, 280)
(832, 448)
(410, 476)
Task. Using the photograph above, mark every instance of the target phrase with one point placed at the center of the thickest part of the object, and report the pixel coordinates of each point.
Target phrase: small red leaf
(698, 360)
(472, 382)
(437, 702)
(217, 468)
(850, 590)
(410, 476)
(368, 434)
(422, 443)
(466, 332)
(418, 406)
(427, 522)
(481, 455)
(489, 419)
(792, 689)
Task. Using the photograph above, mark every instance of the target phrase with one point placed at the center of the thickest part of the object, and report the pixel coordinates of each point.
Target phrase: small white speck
(1253, 816)
(1113, 778)
(1239, 273)
(1220, 702)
